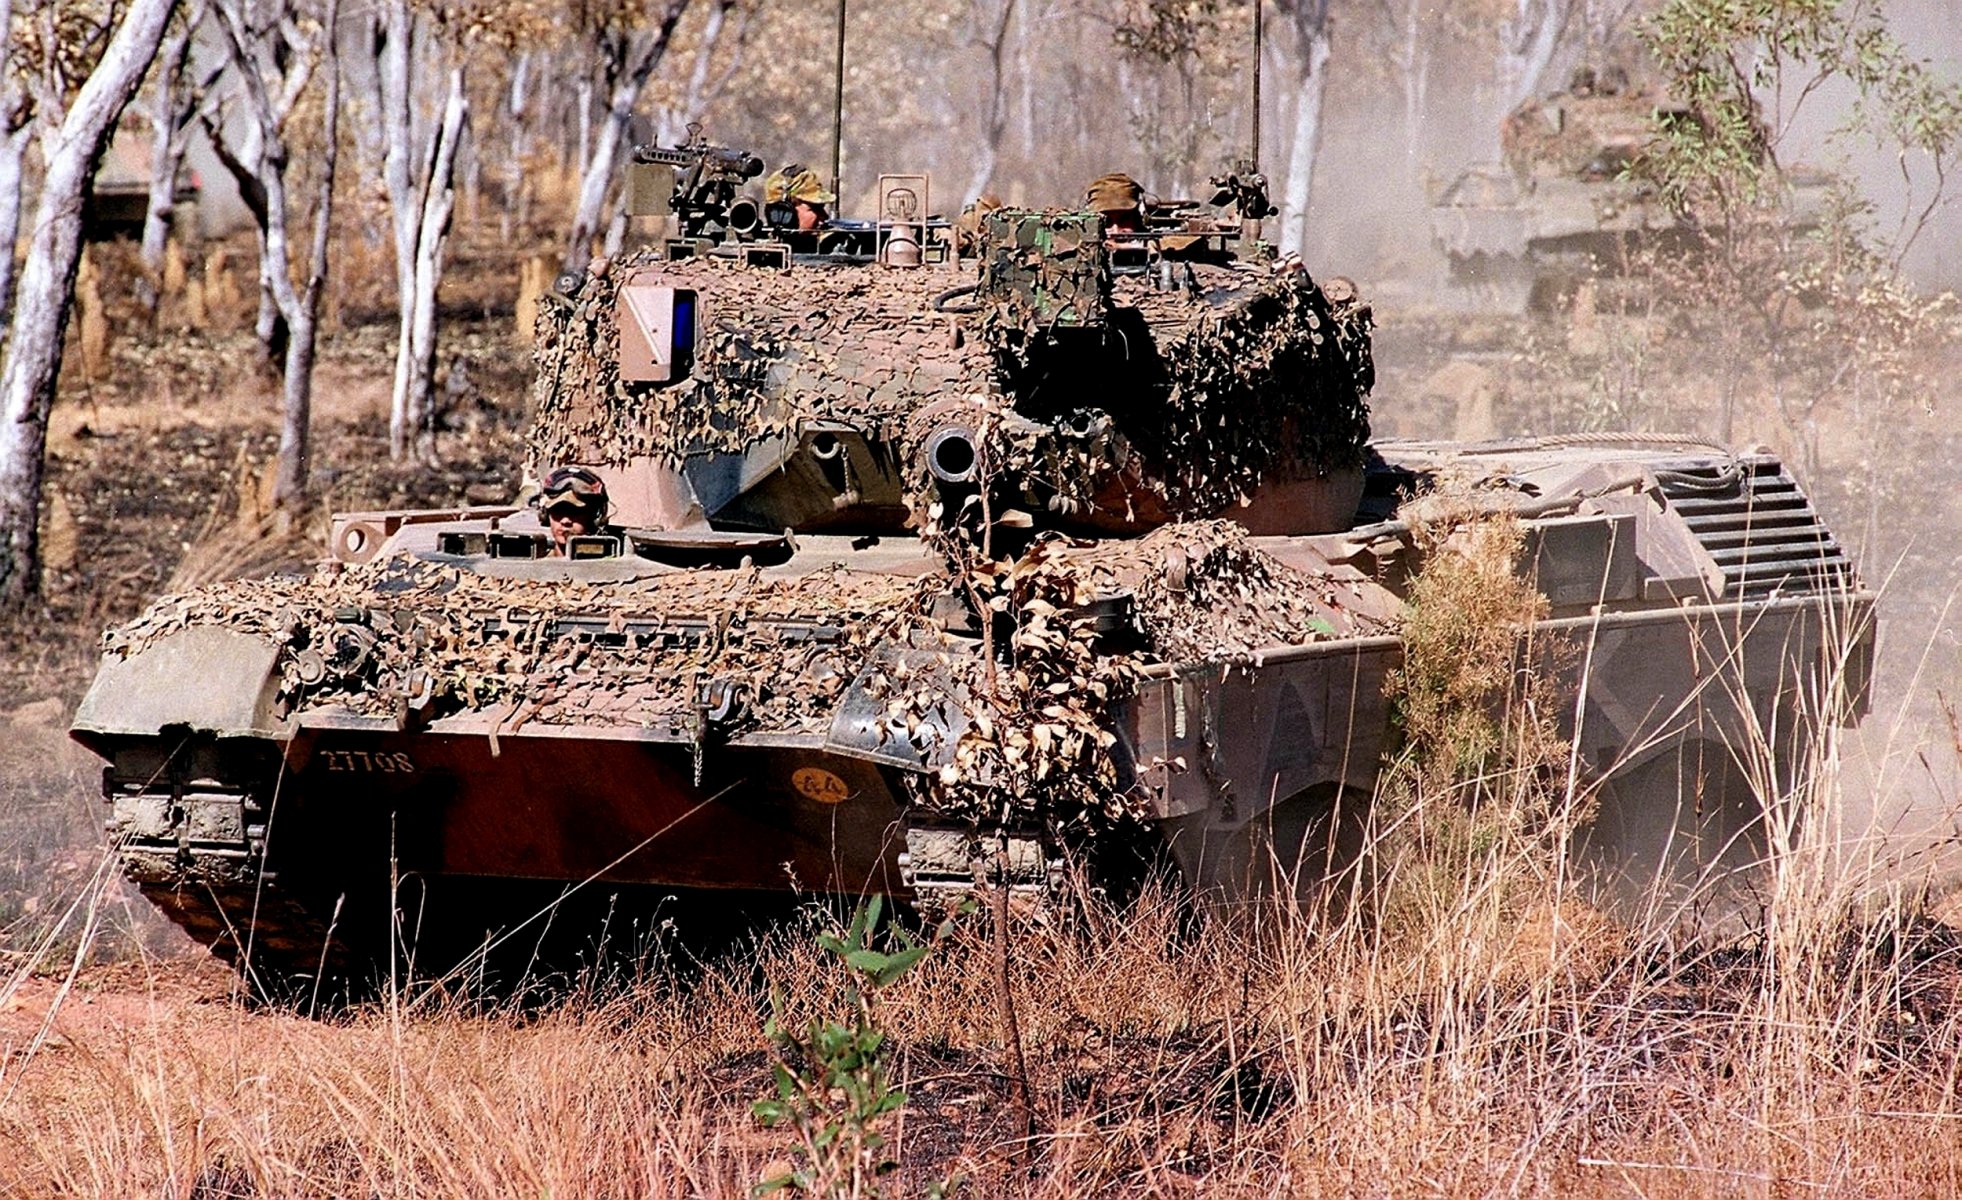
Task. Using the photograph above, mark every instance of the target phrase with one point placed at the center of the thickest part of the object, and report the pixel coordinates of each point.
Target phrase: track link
(196, 849)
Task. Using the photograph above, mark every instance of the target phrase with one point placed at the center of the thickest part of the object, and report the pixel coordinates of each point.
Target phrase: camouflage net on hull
(1037, 719)
(373, 639)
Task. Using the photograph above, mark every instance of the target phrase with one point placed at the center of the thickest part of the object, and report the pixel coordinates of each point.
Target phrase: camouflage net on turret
(1185, 401)
(1273, 381)
(775, 349)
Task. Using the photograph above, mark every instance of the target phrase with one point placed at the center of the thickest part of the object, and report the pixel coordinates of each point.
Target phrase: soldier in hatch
(1119, 200)
(795, 199)
(573, 502)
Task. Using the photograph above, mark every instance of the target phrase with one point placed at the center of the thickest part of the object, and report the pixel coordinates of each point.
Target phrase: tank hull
(343, 835)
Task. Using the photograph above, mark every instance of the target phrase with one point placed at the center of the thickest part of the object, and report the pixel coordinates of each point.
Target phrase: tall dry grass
(1468, 1025)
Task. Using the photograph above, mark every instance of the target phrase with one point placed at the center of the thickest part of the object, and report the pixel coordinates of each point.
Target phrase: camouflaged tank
(920, 578)
(1562, 205)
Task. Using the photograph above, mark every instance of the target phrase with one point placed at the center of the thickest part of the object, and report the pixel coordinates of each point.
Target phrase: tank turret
(1564, 203)
(750, 383)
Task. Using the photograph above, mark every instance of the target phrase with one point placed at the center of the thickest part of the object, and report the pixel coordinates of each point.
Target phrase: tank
(919, 578)
(1562, 204)
(118, 200)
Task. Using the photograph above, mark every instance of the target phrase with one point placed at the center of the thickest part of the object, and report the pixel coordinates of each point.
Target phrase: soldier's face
(568, 522)
(808, 217)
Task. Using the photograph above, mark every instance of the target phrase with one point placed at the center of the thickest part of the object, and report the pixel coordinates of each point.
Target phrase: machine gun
(697, 183)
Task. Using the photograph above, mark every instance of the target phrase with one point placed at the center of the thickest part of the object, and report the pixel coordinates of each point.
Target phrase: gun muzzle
(951, 454)
(744, 217)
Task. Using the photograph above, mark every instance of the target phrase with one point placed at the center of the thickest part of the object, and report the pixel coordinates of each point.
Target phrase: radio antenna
(1257, 7)
(838, 109)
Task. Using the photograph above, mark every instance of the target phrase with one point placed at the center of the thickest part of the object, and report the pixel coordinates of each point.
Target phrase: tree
(627, 44)
(274, 53)
(72, 149)
(178, 89)
(1773, 284)
(1307, 21)
(990, 34)
(16, 128)
(1527, 45)
(419, 169)
(704, 86)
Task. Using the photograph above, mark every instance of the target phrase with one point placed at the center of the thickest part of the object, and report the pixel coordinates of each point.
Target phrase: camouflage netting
(1194, 396)
(776, 349)
(372, 638)
(1273, 380)
(1202, 591)
(382, 639)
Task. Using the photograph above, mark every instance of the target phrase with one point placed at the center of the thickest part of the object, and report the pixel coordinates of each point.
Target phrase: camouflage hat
(796, 182)
(1115, 192)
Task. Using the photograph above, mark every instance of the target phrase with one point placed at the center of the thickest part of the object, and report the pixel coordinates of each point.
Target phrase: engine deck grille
(1761, 529)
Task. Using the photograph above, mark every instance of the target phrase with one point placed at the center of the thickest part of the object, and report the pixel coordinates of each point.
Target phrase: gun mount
(697, 182)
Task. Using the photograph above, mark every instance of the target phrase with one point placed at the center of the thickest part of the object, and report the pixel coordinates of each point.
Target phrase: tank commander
(795, 199)
(573, 503)
(1119, 200)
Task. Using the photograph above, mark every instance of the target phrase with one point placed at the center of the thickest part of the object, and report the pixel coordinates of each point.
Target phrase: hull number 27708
(367, 761)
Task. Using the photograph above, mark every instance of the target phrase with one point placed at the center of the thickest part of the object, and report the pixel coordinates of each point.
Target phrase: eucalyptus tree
(275, 49)
(102, 57)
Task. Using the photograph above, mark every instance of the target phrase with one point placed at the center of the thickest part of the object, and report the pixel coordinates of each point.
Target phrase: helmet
(573, 487)
(796, 182)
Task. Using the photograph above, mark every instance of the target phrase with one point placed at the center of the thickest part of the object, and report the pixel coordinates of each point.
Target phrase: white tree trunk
(583, 95)
(16, 128)
(13, 153)
(594, 183)
(992, 36)
(517, 110)
(675, 118)
(1527, 45)
(171, 104)
(296, 408)
(405, 204)
(645, 51)
(1414, 65)
(432, 237)
(261, 55)
(1304, 142)
(47, 289)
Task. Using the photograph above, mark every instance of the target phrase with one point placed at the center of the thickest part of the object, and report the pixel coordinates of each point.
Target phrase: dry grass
(1554, 1054)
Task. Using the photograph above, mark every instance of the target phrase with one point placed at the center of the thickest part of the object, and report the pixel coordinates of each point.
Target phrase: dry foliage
(1550, 1052)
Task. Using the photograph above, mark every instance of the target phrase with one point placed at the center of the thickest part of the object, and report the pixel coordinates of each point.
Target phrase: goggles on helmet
(575, 486)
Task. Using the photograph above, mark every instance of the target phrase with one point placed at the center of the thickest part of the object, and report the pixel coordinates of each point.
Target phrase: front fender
(204, 679)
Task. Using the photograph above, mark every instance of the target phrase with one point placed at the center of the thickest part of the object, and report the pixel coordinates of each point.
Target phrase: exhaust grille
(1761, 529)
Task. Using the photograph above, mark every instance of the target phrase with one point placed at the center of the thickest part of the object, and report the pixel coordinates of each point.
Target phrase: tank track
(947, 864)
(196, 849)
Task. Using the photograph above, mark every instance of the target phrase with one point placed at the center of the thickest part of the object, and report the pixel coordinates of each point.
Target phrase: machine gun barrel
(719, 160)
